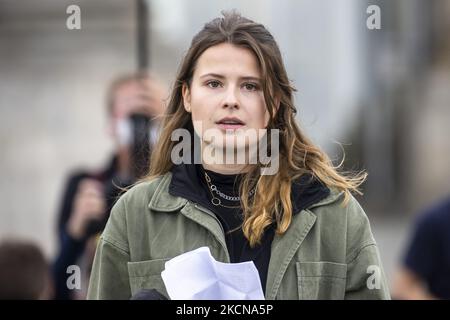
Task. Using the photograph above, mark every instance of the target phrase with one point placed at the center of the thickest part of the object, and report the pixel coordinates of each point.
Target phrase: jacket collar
(306, 192)
(162, 200)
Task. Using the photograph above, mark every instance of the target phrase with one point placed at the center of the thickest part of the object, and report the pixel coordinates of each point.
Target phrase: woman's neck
(226, 168)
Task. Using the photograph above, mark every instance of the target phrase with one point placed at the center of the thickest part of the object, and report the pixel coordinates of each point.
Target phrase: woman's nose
(231, 99)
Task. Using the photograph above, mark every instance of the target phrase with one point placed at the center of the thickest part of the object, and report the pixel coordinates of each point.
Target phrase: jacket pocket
(147, 275)
(321, 280)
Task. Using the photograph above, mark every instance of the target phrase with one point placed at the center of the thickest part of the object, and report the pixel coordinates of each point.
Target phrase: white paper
(196, 275)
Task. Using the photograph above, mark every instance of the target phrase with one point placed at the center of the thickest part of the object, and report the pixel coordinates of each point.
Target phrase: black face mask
(139, 148)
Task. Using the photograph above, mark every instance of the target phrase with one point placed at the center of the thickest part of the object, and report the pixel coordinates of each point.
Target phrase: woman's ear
(186, 97)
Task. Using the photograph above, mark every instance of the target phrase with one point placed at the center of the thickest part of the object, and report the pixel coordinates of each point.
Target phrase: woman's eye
(213, 84)
(250, 86)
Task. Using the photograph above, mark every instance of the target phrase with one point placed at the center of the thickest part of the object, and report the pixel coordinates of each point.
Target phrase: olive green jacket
(328, 252)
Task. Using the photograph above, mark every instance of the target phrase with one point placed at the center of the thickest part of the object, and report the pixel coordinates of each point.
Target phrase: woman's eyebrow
(250, 78)
(216, 75)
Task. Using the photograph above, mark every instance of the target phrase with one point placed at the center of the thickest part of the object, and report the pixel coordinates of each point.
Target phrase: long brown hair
(271, 202)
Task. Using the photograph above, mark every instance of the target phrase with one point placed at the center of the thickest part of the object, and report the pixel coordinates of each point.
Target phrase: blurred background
(383, 95)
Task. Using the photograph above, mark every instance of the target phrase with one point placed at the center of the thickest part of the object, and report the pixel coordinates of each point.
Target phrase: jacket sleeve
(365, 275)
(109, 277)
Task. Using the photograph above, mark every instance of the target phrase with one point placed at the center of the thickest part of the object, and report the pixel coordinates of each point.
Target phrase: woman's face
(226, 95)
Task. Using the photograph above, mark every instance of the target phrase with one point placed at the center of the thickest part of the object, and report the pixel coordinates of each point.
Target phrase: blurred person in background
(135, 103)
(425, 270)
(24, 271)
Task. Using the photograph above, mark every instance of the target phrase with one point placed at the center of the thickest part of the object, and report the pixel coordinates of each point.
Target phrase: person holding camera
(135, 103)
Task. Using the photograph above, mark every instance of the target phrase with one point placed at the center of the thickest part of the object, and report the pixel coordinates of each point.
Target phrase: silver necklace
(216, 201)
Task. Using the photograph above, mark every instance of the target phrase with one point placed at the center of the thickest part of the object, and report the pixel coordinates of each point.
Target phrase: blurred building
(52, 103)
(405, 111)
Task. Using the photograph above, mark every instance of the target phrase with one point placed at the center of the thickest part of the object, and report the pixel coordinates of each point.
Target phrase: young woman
(294, 215)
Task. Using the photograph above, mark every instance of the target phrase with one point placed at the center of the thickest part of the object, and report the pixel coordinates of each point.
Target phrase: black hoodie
(188, 181)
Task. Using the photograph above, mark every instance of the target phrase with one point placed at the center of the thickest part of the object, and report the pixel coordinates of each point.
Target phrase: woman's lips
(229, 126)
